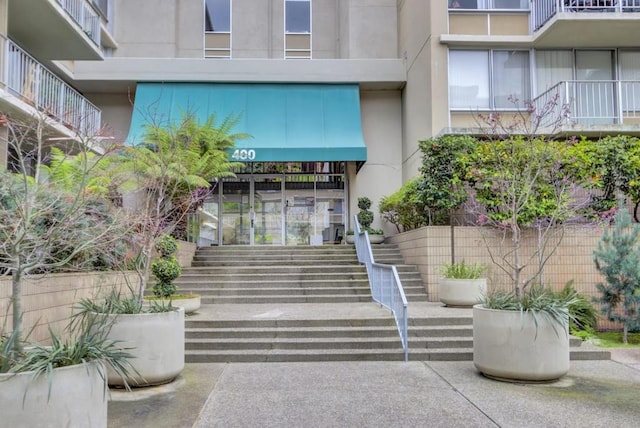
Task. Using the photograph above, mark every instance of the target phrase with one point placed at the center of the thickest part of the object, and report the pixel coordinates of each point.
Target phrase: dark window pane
(217, 16)
(298, 16)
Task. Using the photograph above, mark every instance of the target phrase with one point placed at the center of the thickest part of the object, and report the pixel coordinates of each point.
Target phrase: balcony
(32, 83)
(56, 29)
(585, 23)
(591, 107)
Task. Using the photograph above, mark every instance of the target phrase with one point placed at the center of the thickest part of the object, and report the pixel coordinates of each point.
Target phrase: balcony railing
(591, 102)
(543, 10)
(38, 86)
(86, 17)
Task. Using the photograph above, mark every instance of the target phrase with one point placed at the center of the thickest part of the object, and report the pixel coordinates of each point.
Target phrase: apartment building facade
(335, 94)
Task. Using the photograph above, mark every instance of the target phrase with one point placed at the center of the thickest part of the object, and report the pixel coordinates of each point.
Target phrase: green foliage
(540, 302)
(617, 258)
(462, 270)
(364, 203)
(441, 187)
(584, 315)
(166, 245)
(116, 303)
(365, 217)
(405, 208)
(165, 269)
(608, 167)
(520, 181)
(613, 339)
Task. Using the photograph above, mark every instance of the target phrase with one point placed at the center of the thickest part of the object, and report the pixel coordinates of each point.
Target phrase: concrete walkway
(379, 394)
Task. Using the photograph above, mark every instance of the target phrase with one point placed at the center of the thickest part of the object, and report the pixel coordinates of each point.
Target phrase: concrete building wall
(370, 27)
(253, 23)
(324, 29)
(145, 28)
(381, 175)
(425, 95)
(117, 110)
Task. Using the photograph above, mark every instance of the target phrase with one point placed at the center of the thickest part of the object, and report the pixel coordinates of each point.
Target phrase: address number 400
(243, 154)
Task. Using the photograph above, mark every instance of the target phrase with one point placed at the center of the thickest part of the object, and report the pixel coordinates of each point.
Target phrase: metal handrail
(592, 102)
(386, 287)
(32, 81)
(88, 19)
(544, 10)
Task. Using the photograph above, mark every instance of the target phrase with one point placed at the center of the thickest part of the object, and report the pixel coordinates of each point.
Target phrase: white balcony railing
(38, 86)
(592, 102)
(543, 10)
(86, 17)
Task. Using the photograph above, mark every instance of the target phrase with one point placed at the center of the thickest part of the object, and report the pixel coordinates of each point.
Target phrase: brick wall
(430, 247)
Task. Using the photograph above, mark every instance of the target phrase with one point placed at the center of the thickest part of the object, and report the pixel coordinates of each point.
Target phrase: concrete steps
(333, 339)
(297, 304)
(300, 274)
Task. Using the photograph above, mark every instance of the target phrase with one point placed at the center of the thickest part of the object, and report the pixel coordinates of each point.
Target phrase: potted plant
(349, 237)
(462, 284)
(51, 218)
(365, 218)
(166, 268)
(522, 191)
(161, 181)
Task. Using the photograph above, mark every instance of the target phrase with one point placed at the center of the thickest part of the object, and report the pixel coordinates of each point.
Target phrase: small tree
(167, 174)
(441, 186)
(617, 257)
(166, 268)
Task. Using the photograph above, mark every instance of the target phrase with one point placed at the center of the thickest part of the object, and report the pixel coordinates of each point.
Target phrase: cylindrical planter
(461, 292)
(78, 398)
(350, 239)
(157, 342)
(190, 304)
(508, 345)
(376, 239)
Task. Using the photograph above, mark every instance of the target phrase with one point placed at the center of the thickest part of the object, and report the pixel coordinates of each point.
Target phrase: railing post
(618, 85)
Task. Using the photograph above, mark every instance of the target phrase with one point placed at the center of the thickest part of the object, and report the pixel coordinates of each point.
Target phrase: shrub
(165, 270)
(405, 208)
(462, 270)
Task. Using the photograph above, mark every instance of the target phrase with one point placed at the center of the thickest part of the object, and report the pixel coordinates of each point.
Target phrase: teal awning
(287, 122)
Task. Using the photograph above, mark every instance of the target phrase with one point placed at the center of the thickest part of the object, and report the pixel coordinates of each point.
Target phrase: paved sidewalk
(377, 394)
(381, 394)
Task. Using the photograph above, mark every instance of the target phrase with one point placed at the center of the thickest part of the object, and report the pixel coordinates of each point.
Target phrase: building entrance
(289, 208)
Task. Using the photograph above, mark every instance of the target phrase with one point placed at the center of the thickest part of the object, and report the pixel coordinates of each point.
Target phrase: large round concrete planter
(190, 304)
(462, 292)
(376, 239)
(507, 345)
(78, 398)
(350, 239)
(158, 346)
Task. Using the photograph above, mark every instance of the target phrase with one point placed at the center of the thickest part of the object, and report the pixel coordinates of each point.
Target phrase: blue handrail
(386, 287)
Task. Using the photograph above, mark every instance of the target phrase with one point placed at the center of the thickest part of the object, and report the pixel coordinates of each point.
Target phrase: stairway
(301, 274)
(285, 304)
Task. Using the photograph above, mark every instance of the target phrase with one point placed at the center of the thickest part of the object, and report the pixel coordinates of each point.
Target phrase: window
(217, 16)
(297, 16)
(217, 27)
(297, 29)
(488, 79)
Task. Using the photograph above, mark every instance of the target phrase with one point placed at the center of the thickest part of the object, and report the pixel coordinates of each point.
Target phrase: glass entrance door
(267, 209)
(282, 209)
(236, 212)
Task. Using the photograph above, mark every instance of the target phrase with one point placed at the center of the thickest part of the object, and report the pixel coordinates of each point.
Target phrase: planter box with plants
(51, 218)
(462, 285)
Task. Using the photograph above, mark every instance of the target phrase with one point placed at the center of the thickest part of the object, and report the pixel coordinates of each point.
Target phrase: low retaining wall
(49, 299)
(430, 247)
